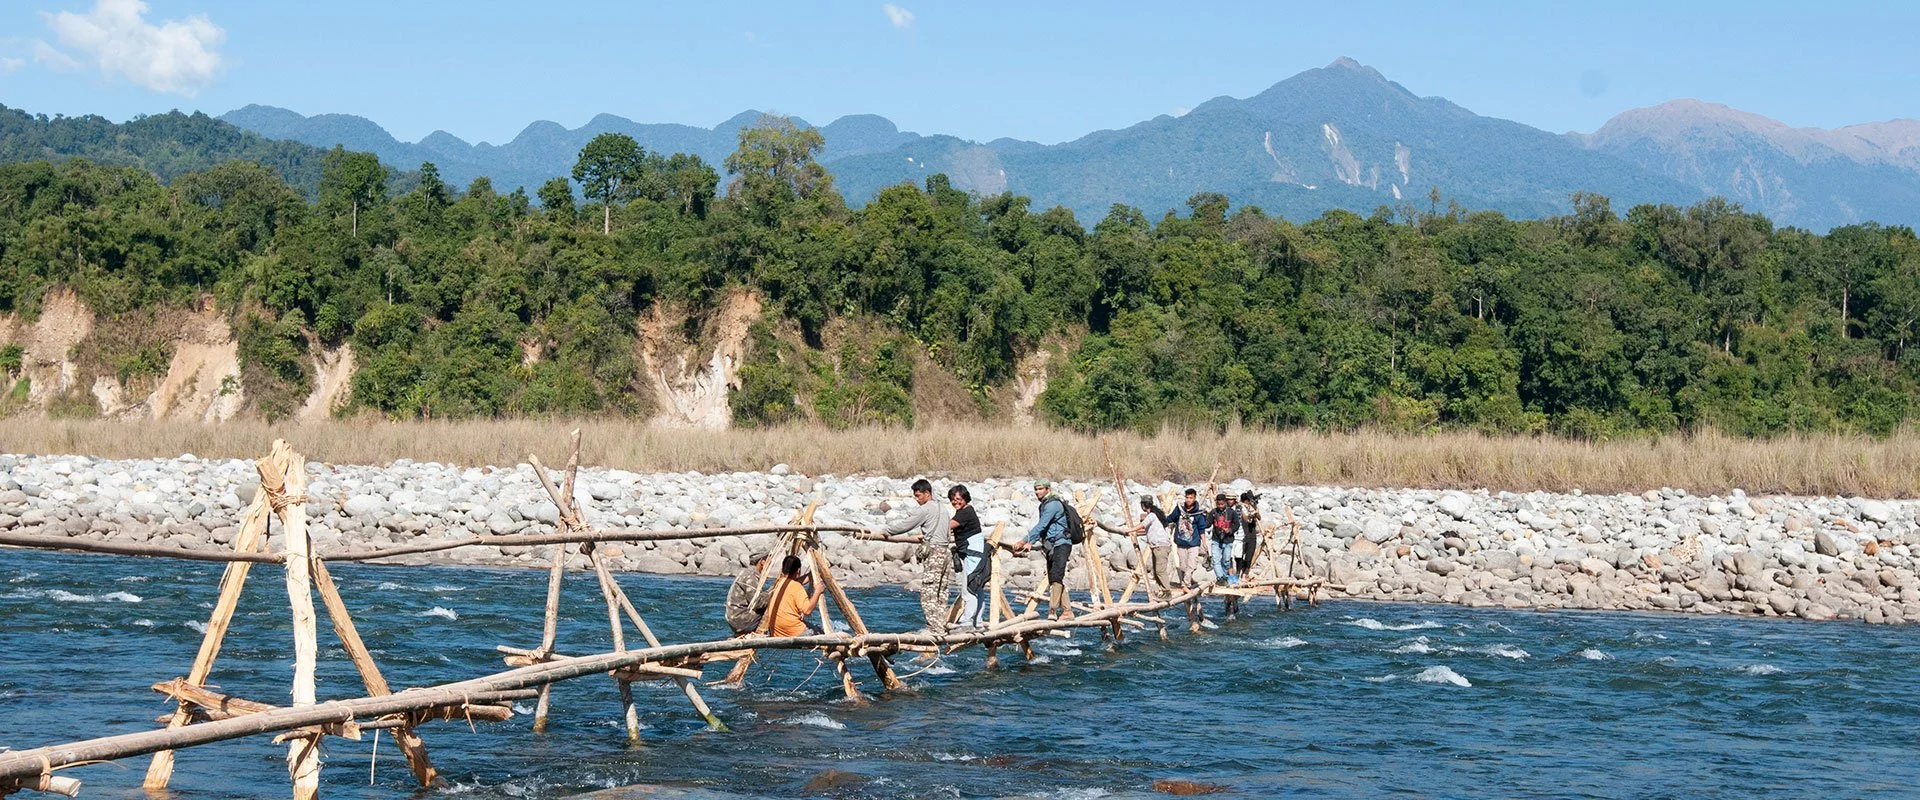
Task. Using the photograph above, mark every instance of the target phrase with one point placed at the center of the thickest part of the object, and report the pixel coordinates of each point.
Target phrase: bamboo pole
(633, 614)
(619, 646)
(410, 743)
(38, 542)
(550, 623)
(881, 668)
(253, 531)
(285, 484)
(549, 630)
(1139, 577)
(212, 705)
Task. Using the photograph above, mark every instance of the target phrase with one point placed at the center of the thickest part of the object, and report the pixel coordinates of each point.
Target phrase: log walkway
(204, 716)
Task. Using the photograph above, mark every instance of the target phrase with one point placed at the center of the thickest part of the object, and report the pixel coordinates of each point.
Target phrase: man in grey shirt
(929, 519)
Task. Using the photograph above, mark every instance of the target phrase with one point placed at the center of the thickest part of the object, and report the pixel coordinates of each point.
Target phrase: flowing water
(1344, 700)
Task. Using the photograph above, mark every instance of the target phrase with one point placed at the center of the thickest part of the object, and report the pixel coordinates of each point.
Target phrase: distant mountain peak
(1345, 63)
(1684, 123)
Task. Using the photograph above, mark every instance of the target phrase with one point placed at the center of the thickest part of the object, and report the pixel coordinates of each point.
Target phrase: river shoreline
(1661, 550)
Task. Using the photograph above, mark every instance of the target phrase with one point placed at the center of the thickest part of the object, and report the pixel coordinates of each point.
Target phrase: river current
(1346, 699)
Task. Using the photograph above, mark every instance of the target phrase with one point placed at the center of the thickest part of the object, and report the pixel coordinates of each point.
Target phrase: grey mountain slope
(1337, 137)
(1808, 177)
(1342, 136)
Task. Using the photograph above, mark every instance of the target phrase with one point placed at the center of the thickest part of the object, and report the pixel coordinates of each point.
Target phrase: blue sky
(1048, 71)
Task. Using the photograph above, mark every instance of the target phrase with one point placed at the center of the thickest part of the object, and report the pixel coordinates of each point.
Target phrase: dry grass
(1835, 465)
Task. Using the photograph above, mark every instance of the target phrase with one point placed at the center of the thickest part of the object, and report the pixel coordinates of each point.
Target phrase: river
(1348, 699)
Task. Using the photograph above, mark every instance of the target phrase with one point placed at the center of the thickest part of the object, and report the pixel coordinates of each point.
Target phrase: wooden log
(572, 472)
(550, 627)
(643, 672)
(44, 782)
(286, 487)
(19, 763)
(619, 646)
(686, 686)
(39, 542)
(207, 705)
(551, 622)
(253, 531)
(881, 668)
(410, 743)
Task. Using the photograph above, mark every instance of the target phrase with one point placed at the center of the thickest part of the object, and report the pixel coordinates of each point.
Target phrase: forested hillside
(463, 302)
(168, 145)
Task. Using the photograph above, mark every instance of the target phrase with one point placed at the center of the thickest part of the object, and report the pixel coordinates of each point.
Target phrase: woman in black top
(970, 557)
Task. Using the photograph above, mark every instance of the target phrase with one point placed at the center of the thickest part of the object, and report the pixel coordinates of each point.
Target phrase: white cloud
(178, 55)
(44, 53)
(11, 64)
(900, 17)
(1181, 111)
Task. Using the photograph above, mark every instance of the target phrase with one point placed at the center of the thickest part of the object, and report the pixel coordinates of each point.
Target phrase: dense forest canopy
(1592, 324)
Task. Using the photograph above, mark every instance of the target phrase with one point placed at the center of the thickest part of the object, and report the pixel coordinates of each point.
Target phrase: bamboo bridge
(204, 716)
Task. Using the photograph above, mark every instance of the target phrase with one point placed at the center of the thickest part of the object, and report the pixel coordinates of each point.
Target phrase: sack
(1076, 530)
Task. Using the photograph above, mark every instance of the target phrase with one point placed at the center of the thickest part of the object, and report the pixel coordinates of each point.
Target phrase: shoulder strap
(766, 620)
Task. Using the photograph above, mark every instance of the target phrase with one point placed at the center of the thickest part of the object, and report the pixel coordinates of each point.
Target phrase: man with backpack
(1058, 528)
(1190, 524)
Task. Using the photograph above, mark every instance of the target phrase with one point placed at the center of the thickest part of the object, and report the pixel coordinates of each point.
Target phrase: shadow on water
(1343, 700)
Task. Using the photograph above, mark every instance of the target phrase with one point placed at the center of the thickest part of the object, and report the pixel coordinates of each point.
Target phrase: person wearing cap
(929, 519)
(1249, 544)
(746, 602)
(1051, 532)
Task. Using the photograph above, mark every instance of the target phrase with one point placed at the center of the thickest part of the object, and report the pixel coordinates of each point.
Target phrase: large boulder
(1875, 510)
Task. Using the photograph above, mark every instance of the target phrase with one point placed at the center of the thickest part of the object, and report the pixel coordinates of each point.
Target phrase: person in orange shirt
(792, 602)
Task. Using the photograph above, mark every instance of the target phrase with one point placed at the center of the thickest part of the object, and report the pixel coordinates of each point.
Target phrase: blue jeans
(973, 606)
(1222, 553)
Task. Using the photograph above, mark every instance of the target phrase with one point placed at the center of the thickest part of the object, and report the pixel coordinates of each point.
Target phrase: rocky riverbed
(1665, 549)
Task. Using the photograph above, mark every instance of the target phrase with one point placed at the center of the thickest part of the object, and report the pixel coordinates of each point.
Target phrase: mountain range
(1341, 136)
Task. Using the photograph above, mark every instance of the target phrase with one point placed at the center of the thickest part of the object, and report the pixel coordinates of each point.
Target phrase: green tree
(352, 182)
(556, 196)
(607, 169)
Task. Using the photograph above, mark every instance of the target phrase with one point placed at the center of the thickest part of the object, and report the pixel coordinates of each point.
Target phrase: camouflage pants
(933, 586)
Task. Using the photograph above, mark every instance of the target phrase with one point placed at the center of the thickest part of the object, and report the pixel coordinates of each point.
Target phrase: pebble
(1665, 549)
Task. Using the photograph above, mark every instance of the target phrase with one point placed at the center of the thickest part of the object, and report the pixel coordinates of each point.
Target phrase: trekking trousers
(1057, 558)
(1186, 559)
(938, 574)
(1161, 555)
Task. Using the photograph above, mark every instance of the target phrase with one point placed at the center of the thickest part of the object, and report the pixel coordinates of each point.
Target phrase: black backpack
(1076, 530)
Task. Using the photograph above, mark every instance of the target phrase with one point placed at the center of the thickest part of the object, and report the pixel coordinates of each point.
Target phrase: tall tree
(774, 165)
(352, 181)
(608, 168)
